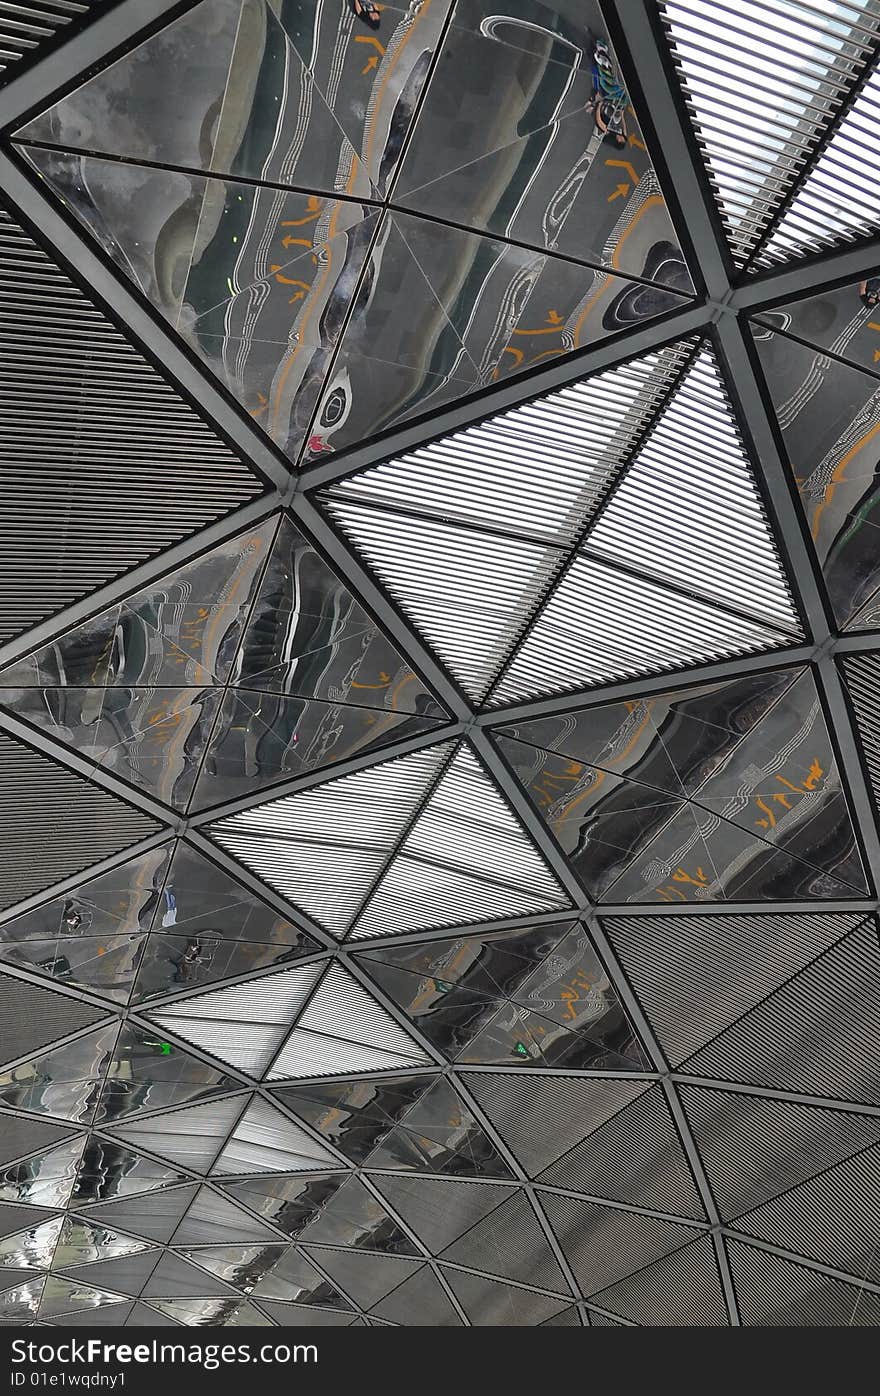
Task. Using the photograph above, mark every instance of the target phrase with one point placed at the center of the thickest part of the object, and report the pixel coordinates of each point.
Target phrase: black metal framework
(721, 309)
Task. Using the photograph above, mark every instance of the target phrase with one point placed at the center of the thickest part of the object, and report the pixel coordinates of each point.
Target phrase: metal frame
(724, 300)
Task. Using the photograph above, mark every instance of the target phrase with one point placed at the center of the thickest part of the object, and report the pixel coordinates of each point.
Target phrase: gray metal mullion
(795, 1258)
(805, 276)
(681, 1078)
(631, 909)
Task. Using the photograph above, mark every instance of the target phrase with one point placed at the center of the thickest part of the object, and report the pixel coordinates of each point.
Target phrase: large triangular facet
(212, 1219)
(33, 1017)
(244, 1024)
(65, 1082)
(191, 1137)
(46, 1179)
(466, 859)
(344, 1029)
(681, 1291)
(118, 112)
(323, 848)
(154, 1216)
(265, 1141)
(774, 1292)
(592, 425)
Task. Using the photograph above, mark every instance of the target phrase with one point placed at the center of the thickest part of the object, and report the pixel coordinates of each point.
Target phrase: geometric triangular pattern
(772, 1291)
(31, 1017)
(486, 1302)
(35, 793)
(783, 1041)
(603, 1245)
(191, 1137)
(754, 1147)
(683, 796)
(682, 1290)
(756, 157)
(465, 859)
(265, 1141)
(510, 1242)
(259, 631)
(323, 848)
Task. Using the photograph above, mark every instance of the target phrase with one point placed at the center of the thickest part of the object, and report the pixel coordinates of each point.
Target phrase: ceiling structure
(439, 647)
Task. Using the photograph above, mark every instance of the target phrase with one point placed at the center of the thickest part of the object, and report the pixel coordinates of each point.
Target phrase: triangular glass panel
(21, 1304)
(542, 161)
(440, 1210)
(594, 424)
(239, 1266)
(296, 1280)
(421, 1299)
(265, 1141)
(202, 130)
(147, 1073)
(232, 310)
(21, 1136)
(439, 1134)
(324, 847)
(465, 859)
(490, 1303)
(44, 1180)
(109, 1169)
(366, 1277)
(126, 1275)
(510, 1242)
(32, 1248)
(62, 1296)
(174, 1276)
(213, 1313)
(33, 1017)
(66, 1082)
(243, 1024)
(334, 1209)
(191, 1137)
(763, 83)
(355, 1116)
(80, 1242)
(681, 1291)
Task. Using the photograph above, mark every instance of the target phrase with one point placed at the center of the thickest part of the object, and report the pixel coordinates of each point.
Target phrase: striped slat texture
(490, 1304)
(773, 1292)
(840, 200)
(683, 1291)
(104, 464)
(55, 824)
(763, 81)
(324, 847)
(28, 28)
(862, 677)
(669, 961)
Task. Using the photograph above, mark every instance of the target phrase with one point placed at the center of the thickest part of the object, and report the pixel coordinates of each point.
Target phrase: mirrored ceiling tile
(354, 1218)
(370, 67)
(82, 1241)
(158, 102)
(145, 220)
(837, 318)
(109, 1169)
(33, 1246)
(20, 1305)
(572, 986)
(262, 738)
(354, 1116)
(172, 963)
(147, 1073)
(200, 896)
(439, 1134)
(446, 1014)
(45, 1179)
(829, 416)
(555, 158)
(517, 1036)
(105, 964)
(66, 1081)
(488, 964)
(83, 657)
(295, 1279)
(241, 1266)
(289, 1203)
(162, 736)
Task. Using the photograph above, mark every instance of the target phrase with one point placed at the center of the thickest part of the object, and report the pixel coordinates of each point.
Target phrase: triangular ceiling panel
(774, 1292)
(34, 795)
(191, 1137)
(256, 637)
(64, 1082)
(265, 1141)
(513, 998)
(46, 1179)
(79, 495)
(696, 794)
(33, 1017)
(155, 1217)
(243, 1025)
(147, 1073)
(465, 859)
(323, 848)
(764, 84)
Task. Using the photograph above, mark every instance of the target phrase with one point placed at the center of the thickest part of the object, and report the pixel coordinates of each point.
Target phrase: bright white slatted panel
(840, 199)
(688, 509)
(762, 81)
(192, 1137)
(265, 1141)
(323, 848)
(601, 624)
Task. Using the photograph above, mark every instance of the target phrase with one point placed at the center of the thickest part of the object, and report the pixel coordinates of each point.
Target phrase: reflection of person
(609, 95)
(366, 12)
(869, 292)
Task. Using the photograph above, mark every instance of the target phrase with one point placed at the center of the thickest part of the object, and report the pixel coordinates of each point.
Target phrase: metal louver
(762, 83)
(26, 29)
